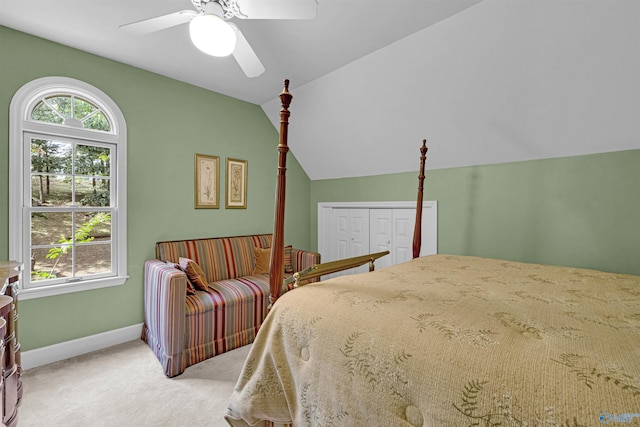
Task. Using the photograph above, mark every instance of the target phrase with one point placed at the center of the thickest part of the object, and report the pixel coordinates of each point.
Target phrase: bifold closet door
(403, 225)
(391, 230)
(381, 235)
(349, 236)
(347, 229)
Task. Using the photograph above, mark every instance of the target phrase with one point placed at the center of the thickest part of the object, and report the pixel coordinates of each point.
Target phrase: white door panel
(403, 220)
(339, 234)
(380, 232)
(359, 235)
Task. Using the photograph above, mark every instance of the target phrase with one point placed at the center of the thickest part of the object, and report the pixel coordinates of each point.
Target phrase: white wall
(505, 80)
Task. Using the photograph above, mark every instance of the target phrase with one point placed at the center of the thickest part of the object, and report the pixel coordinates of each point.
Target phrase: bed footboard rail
(301, 277)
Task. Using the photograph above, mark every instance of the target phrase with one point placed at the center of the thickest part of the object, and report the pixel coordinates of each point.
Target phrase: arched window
(67, 187)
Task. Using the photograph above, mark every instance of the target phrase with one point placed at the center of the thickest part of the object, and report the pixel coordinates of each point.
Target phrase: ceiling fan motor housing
(225, 9)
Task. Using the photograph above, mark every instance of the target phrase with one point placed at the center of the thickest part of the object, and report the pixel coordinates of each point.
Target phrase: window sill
(66, 288)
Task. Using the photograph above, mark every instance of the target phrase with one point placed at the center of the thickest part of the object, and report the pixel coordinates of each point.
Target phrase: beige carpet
(124, 386)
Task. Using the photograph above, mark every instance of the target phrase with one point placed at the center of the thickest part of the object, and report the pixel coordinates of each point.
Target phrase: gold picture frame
(236, 194)
(207, 182)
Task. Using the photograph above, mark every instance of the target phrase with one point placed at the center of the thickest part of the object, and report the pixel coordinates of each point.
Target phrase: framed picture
(207, 182)
(236, 184)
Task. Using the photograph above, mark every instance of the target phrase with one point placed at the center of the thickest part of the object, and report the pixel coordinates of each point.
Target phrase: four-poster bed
(446, 340)
(276, 262)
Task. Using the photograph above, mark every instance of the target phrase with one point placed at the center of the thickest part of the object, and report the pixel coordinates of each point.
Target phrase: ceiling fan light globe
(212, 35)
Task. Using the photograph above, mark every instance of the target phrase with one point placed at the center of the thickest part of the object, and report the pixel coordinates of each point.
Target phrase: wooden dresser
(10, 381)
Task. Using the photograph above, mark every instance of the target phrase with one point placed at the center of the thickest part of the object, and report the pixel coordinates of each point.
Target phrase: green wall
(576, 211)
(168, 122)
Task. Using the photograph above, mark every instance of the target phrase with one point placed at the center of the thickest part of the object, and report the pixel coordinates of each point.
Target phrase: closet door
(358, 232)
(381, 235)
(403, 224)
(392, 230)
(339, 234)
(347, 229)
(349, 236)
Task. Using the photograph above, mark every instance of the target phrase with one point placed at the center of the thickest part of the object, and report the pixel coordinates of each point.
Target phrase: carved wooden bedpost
(417, 231)
(276, 269)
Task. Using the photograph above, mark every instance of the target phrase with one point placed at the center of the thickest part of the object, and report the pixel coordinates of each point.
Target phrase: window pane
(93, 259)
(93, 227)
(50, 190)
(83, 108)
(62, 104)
(42, 112)
(50, 156)
(97, 121)
(90, 115)
(52, 263)
(92, 160)
(93, 192)
(50, 228)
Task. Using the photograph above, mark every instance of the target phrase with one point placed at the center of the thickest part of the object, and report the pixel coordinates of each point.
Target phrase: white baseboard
(65, 350)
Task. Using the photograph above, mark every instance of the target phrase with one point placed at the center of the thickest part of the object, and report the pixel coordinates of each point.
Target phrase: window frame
(21, 128)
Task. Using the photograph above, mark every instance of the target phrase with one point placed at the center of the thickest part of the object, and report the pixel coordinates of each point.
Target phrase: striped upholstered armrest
(301, 259)
(165, 290)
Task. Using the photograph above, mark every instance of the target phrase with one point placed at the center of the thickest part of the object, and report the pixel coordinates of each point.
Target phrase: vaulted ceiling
(484, 81)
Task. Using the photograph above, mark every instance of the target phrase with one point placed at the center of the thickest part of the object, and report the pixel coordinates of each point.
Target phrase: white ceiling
(485, 81)
(301, 50)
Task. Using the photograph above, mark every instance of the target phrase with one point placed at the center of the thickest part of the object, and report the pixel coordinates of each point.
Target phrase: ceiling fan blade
(277, 9)
(246, 57)
(158, 23)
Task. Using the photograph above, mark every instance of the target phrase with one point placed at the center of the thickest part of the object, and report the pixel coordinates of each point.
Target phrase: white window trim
(21, 105)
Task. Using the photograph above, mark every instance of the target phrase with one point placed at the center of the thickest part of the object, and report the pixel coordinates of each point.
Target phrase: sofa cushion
(263, 260)
(220, 258)
(194, 273)
(226, 317)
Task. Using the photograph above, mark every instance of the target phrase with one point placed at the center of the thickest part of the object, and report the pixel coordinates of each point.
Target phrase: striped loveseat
(184, 326)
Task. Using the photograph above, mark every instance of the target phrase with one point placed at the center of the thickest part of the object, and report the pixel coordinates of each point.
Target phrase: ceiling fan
(213, 33)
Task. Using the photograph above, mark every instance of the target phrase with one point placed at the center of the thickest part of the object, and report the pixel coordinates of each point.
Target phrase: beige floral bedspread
(449, 341)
